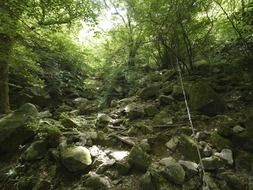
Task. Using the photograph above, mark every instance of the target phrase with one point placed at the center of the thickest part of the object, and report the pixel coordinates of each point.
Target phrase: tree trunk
(5, 55)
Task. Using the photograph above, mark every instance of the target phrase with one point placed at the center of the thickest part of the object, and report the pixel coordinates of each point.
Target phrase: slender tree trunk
(6, 43)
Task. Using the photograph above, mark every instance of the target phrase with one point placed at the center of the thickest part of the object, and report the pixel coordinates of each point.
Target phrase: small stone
(227, 155)
(238, 129)
(172, 143)
(103, 120)
(208, 151)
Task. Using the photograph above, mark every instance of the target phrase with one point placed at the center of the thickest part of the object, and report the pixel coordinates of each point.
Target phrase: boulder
(134, 111)
(139, 158)
(191, 168)
(213, 163)
(14, 130)
(187, 147)
(150, 92)
(75, 158)
(205, 100)
(220, 142)
(36, 151)
(227, 155)
(94, 181)
(172, 171)
(103, 120)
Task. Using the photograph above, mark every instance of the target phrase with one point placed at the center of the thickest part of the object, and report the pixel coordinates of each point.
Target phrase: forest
(126, 95)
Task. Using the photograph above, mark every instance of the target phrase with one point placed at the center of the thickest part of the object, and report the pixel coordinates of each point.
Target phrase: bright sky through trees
(106, 21)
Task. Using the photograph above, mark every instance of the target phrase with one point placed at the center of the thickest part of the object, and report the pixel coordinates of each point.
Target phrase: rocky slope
(142, 142)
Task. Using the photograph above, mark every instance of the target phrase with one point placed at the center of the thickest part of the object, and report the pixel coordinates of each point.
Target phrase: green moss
(219, 141)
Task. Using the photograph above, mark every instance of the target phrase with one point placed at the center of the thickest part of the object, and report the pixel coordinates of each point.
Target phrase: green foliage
(25, 66)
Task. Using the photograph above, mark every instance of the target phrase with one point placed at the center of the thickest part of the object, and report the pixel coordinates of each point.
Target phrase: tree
(15, 14)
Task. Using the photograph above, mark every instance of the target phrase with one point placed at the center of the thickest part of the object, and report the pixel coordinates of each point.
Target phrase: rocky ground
(142, 142)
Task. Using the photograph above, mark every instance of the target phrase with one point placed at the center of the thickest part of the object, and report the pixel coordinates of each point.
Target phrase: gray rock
(14, 130)
(172, 143)
(76, 158)
(213, 163)
(150, 92)
(172, 170)
(207, 151)
(204, 99)
(134, 111)
(139, 158)
(187, 147)
(238, 129)
(191, 168)
(227, 155)
(103, 120)
(95, 182)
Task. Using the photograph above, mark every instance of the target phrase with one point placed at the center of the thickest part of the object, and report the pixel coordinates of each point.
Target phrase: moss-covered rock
(139, 158)
(150, 92)
(76, 158)
(14, 128)
(134, 111)
(173, 171)
(205, 100)
(95, 181)
(220, 142)
(36, 151)
(188, 148)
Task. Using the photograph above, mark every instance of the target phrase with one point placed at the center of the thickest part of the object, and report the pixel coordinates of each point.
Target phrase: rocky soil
(142, 142)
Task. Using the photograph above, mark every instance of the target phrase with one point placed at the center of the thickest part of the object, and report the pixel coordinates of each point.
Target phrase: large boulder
(205, 100)
(14, 130)
(76, 158)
